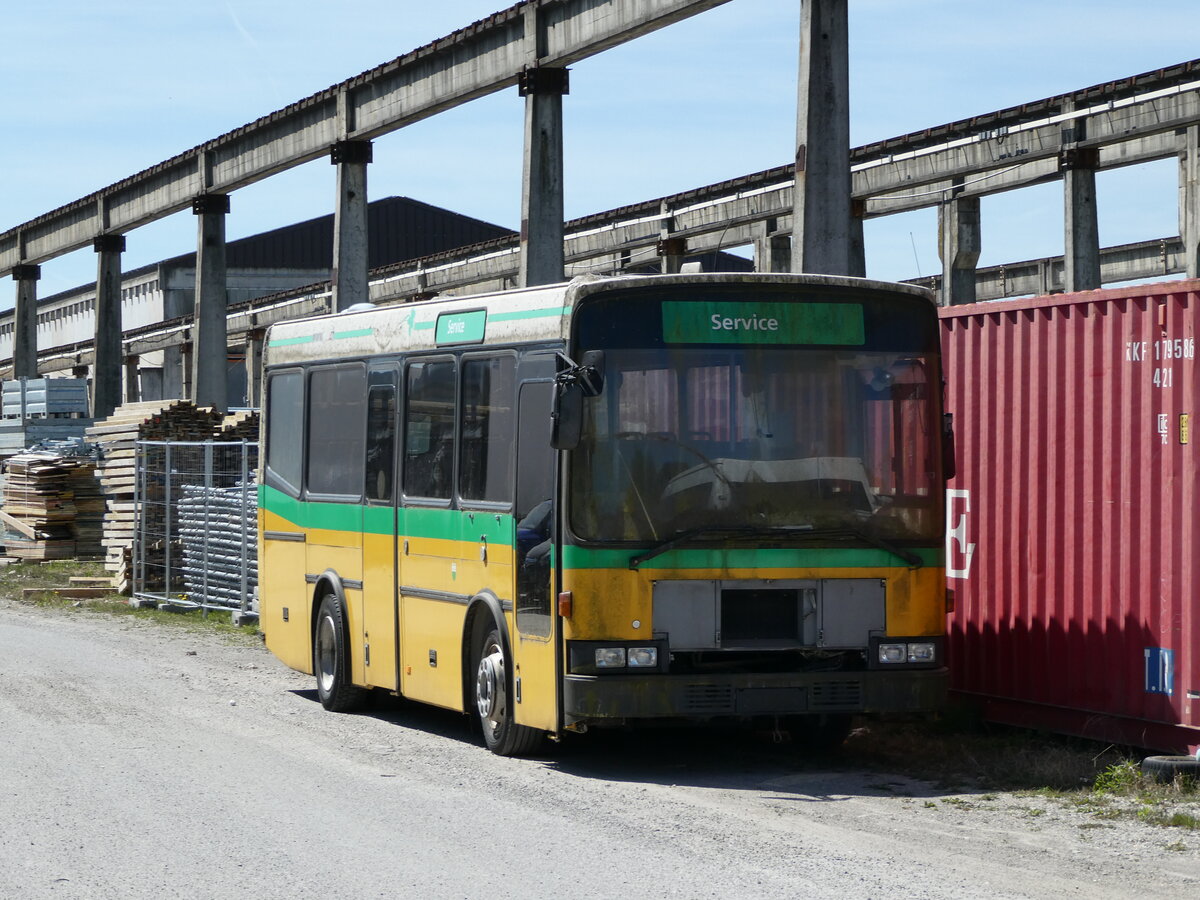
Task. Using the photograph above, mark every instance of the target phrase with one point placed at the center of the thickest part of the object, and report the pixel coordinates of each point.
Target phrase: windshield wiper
(692, 533)
(914, 561)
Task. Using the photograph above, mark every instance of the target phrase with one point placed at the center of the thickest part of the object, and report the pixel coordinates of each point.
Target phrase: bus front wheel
(331, 658)
(493, 701)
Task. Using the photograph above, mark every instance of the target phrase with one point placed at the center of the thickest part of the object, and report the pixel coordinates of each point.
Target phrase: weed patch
(18, 578)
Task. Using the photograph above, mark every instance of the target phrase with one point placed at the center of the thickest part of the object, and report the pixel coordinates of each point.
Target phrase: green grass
(960, 754)
(16, 578)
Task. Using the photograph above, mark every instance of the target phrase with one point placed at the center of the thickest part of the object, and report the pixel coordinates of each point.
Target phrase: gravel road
(138, 760)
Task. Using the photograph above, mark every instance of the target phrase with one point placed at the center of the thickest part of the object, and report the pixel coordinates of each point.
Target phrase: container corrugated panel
(1072, 537)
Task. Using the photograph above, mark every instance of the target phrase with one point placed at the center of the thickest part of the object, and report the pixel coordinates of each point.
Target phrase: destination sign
(461, 327)
(762, 323)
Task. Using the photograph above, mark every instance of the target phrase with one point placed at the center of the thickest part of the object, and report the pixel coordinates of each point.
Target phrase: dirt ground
(140, 759)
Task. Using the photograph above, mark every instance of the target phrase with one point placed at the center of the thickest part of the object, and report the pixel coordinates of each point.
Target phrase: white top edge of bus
(518, 315)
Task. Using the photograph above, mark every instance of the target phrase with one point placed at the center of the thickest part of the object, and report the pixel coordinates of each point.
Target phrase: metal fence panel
(195, 540)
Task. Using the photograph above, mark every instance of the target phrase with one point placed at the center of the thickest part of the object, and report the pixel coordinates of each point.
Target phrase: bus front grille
(843, 694)
(710, 699)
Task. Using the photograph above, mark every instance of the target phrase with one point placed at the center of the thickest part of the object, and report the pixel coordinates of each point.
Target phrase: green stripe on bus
(448, 525)
(750, 558)
(440, 524)
(361, 332)
(544, 313)
(292, 341)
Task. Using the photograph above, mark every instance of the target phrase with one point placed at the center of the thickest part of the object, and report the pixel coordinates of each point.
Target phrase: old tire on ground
(1168, 768)
(331, 658)
(493, 701)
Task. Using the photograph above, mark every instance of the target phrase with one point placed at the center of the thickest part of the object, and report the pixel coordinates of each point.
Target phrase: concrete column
(958, 244)
(1189, 199)
(254, 348)
(542, 175)
(821, 218)
(671, 251)
(106, 377)
(772, 251)
(185, 370)
(1081, 257)
(858, 246)
(132, 392)
(210, 370)
(25, 321)
(350, 262)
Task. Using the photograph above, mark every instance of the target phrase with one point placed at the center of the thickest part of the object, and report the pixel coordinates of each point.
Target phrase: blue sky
(98, 91)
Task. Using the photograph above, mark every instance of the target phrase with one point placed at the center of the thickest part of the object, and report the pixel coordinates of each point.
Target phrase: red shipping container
(1072, 541)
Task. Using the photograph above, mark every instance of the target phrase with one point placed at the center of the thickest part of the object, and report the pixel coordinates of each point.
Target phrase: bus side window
(429, 429)
(534, 510)
(381, 442)
(285, 431)
(336, 414)
(486, 448)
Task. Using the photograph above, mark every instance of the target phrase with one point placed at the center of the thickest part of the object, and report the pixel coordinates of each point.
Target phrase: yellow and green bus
(617, 501)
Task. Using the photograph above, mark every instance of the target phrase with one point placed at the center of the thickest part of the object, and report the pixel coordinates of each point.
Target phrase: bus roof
(520, 315)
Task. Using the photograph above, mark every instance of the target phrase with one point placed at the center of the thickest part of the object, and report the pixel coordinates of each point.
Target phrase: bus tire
(331, 658)
(493, 701)
(1168, 768)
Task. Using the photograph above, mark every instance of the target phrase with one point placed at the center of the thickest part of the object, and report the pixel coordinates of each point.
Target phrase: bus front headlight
(893, 653)
(610, 657)
(643, 657)
(921, 652)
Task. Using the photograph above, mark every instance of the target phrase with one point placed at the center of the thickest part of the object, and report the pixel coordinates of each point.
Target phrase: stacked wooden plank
(39, 507)
(238, 426)
(117, 437)
(89, 509)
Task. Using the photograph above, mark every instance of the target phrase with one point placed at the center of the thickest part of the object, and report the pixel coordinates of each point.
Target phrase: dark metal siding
(398, 228)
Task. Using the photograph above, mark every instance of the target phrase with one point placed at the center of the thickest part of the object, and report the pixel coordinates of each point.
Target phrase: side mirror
(573, 382)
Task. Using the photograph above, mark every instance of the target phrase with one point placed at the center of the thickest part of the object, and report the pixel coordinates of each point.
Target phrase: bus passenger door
(379, 637)
(536, 667)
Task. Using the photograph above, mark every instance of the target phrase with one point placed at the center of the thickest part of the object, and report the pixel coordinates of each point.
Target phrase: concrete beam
(967, 155)
(1159, 258)
(475, 61)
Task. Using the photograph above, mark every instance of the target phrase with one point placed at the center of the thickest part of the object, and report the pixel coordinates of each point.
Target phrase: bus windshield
(749, 437)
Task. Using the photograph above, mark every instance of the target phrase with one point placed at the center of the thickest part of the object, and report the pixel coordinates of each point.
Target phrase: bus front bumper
(595, 698)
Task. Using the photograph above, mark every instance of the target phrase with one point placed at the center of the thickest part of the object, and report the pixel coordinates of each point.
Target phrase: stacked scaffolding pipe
(217, 531)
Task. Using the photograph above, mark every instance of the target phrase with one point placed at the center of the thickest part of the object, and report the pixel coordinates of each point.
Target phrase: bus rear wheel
(331, 659)
(493, 701)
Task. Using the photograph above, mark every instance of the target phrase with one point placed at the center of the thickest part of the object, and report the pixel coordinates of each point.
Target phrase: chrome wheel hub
(489, 687)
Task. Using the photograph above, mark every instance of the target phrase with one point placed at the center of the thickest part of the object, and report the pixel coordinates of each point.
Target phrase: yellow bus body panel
(379, 611)
(284, 597)
(429, 627)
(617, 604)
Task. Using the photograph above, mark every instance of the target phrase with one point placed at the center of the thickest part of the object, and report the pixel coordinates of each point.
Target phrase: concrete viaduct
(805, 216)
